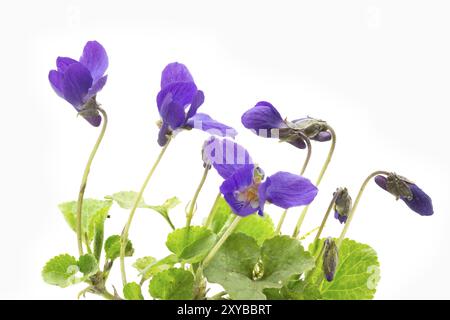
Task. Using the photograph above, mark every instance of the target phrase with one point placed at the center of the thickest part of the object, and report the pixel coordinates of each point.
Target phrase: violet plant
(237, 246)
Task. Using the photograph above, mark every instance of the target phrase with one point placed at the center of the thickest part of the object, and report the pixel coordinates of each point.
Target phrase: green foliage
(172, 284)
(191, 244)
(126, 199)
(357, 273)
(64, 270)
(132, 291)
(112, 247)
(255, 226)
(149, 266)
(94, 214)
(88, 264)
(245, 270)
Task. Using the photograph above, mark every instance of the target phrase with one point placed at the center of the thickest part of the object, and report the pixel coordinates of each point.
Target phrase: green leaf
(191, 244)
(166, 206)
(132, 291)
(88, 264)
(357, 273)
(257, 227)
(221, 213)
(126, 199)
(148, 266)
(172, 284)
(112, 247)
(61, 271)
(245, 270)
(94, 214)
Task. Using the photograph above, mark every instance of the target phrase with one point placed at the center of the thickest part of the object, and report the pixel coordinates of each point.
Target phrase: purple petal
(62, 63)
(198, 100)
(97, 86)
(77, 81)
(226, 156)
(342, 219)
(205, 123)
(172, 113)
(239, 181)
(381, 181)
(56, 79)
(175, 72)
(94, 120)
(262, 118)
(288, 190)
(183, 93)
(95, 59)
(322, 136)
(421, 203)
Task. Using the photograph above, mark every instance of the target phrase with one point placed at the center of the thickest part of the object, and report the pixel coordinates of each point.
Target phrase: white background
(378, 71)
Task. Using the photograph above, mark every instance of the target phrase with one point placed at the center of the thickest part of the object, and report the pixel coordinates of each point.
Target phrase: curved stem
(319, 179)
(358, 198)
(87, 169)
(305, 165)
(126, 229)
(325, 217)
(190, 213)
(219, 243)
(212, 212)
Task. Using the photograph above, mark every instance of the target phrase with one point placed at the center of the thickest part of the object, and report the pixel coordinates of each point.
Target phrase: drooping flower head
(342, 204)
(330, 259)
(178, 102)
(265, 120)
(78, 82)
(246, 189)
(409, 192)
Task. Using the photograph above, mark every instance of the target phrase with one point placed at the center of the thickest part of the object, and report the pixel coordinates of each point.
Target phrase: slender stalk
(190, 213)
(219, 243)
(212, 212)
(84, 179)
(126, 229)
(358, 198)
(318, 181)
(305, 165)
(325, 217)
(306, 235)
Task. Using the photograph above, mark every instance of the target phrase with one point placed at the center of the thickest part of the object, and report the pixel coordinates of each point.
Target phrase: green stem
(318, 181)
(213, 211)
(219, 243)
(87, 169)
(305, 165)
(126, 229)
(358, 198)
(325, 217)
(306, 235)
(190, 213)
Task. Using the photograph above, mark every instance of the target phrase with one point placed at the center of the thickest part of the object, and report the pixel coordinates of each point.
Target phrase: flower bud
(399, 186)
(342, 204)
(313, 128)
(330, 259)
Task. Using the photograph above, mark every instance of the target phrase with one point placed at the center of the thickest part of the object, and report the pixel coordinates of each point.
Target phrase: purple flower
(410, 193)
(78, 82)
(265, 120)
(246, 190)
(178, 102)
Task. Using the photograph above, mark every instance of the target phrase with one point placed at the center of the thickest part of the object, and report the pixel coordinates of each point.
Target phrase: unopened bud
(399, 186)
(342, 204)
(330, 259)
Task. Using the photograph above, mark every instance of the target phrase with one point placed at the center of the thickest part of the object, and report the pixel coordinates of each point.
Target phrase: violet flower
(246, 189)
(409, 192)
(265, 120)
(178, 102)
(78, 82)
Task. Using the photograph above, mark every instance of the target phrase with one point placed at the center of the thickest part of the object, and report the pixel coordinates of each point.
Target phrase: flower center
(249, 195)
